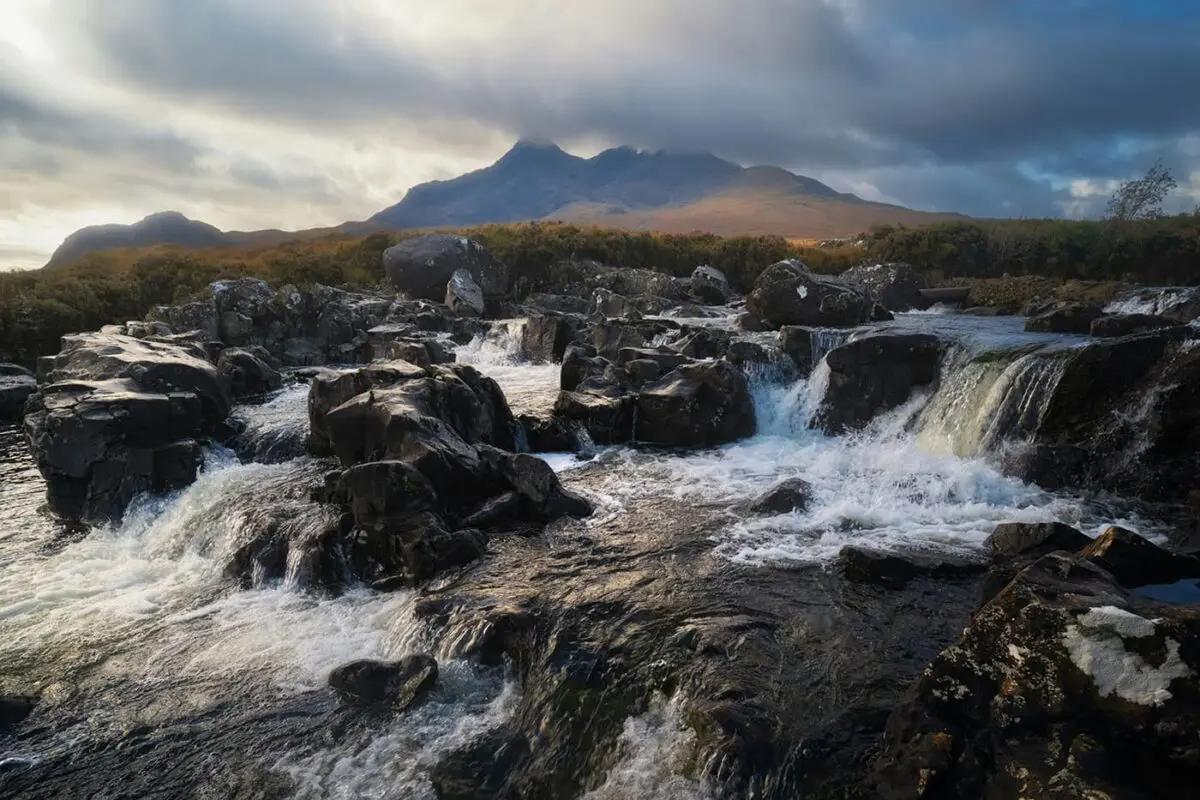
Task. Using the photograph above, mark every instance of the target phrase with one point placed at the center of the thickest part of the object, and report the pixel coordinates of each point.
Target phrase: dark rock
(610, 304)
(119, 417)
(611, 337)
(873, 374)
(1033, 538)
(790, 494)
(711, 286)
(751, 323)
(537, 484)
(198, 316)
(667, 360)
(562, 304)
(549, 434)
(250, 371)
(697, 405)
(741, 353)
(643, 370)
(579, 364)
(877, 569)
(881, 314)
(607, 420)
(423, 265)
(14, 709)
(380, 489)
(703, 343)
(1065, 318)
(983, 311)
(330, 389)
(546, 338)
(796, 343)
(1128, 324)
(895, 286)
(1136, 561)
(1123, 415)
(1064, 685)
(787, 293)
(148, 329)
(396, 686)
(463, 295)
(503, 509)
(16, 385)
(1013, 546)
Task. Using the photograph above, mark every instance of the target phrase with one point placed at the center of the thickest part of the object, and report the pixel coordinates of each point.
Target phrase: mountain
(632, 189)
(536, 180)
(166, 227)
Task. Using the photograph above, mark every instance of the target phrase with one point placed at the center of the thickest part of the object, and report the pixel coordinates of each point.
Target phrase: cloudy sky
(298, 113)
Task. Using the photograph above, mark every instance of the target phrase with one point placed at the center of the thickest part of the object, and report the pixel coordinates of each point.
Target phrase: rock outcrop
(1063, 685)
(423, 265)
(1065, 318)
(300, 328)
(875, 373)
(1123, 415)
(787, 293)
(250, 371)
(895, 286)
(119, 416)
(711, 286)
(16, 385)
(696, 405)
(1128, 324)
(427, 468)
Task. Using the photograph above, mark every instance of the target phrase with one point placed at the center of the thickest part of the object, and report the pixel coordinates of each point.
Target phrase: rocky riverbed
(645, 538)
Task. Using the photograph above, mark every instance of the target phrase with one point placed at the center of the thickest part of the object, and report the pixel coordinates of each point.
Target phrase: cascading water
(988, 401)
(139, 640)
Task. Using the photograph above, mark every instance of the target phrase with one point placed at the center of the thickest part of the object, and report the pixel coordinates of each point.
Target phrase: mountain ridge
(620, 187)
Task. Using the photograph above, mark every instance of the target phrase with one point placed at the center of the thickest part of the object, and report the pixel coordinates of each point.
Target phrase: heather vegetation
(38, 307)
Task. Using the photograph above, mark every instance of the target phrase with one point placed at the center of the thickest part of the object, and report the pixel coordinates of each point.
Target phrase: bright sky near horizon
(300, 113)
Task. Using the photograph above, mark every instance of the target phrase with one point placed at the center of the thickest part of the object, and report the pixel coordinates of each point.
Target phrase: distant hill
(167, 227)
(619, 188)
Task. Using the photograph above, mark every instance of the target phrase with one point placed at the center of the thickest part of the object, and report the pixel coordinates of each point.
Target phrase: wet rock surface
(1064, 685)
(120, 416)
(391, 686)
(16, 384)
(873, 374)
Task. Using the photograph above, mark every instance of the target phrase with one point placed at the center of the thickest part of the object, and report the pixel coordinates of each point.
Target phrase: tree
(1142, 198)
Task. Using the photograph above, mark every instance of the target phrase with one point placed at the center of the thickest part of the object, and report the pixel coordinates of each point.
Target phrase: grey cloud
(935, 102)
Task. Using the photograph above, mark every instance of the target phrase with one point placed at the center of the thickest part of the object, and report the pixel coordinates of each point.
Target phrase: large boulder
(873, 374)
(16, 384)
(711, 286)
(787, 293)
(423, 265)
(1123, 415)
(463, 295)
(118, 417)
(1065, 318)
(896, 287)
(250, 371)
(696, 405)
(1065, 685)
(785, 497)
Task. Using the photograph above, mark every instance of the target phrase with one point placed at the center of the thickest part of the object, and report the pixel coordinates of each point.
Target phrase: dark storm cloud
(936, 102)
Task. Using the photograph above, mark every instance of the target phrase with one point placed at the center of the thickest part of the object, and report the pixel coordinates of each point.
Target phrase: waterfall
(500, 346)
(1154, 300)
(989, 400)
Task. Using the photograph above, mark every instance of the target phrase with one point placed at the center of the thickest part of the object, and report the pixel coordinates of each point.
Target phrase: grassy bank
(38, 307)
